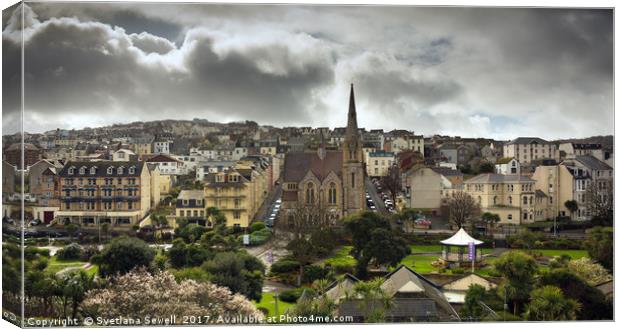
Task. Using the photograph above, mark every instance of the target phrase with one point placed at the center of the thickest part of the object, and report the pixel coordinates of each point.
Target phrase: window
(110, 170)
(524, 200)
(495, 199)
(129, 205)
(132, 170)
(510, 200)
(524, 215)
(120, 170)
(93, 170)
(236, 215)
(181, 213)
(310, 193)
(353, 180)
(509, 216)
(70, 171)
(185, 202)
(332, 193)
(82, 170)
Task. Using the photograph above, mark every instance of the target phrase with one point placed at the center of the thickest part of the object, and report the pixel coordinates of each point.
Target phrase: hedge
(284, 266)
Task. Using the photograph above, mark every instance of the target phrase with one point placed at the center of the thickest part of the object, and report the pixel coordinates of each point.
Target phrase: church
(333, 180)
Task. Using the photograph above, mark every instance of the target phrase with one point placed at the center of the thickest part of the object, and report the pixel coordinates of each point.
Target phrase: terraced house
(118, 193)
(239, 191)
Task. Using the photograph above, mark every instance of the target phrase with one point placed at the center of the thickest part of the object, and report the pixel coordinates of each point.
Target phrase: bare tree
(599, 200)
(462, 208)
(304, 219)
(392, 182)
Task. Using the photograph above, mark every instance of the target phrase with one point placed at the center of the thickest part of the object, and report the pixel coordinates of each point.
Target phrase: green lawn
(342, 257)
(55, 265)
(420, 264)
(268, 302)
(574, 254)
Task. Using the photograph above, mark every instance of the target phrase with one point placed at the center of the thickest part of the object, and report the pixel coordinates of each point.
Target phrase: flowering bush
(139, 293)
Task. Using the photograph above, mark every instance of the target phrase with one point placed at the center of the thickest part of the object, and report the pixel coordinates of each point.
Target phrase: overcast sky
(498, 73)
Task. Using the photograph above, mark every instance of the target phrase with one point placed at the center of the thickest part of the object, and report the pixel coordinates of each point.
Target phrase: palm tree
(490, 219)
(549, 304)
(374, 301)
(75, 286)
(572, 206)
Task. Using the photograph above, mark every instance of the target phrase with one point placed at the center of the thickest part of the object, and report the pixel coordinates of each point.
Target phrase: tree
(548, 303)
(392, 181)
(599, 202)
(472, 308)
(303, 251)
(75, 286)
(304, 219)
(240, 272)
(462, 208)
(374, 241)
(159, 222)
(594, 304)
(373, 301)
(138, 294)
(122, 255)
(72, 229)
(315, 304)
(572, 206)
(105, 230)
(518, 270)
(600, 246)
(490, 220)
(486, 167)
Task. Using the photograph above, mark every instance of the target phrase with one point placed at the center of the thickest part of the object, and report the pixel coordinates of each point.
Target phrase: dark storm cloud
(467, 71)
(77, 68)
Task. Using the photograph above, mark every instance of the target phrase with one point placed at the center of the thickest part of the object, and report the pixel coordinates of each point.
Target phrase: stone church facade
(333, 180)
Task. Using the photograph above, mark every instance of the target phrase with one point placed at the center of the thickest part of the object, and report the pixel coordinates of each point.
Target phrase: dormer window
(219, 178)
(120, 170)
(132, 170)
(82, 170)
(71, 170)
(110, 170)
(233, 178)
(93, 170)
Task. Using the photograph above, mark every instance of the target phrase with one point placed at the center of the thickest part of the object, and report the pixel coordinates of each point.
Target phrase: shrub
(284, 266)
(257, 226)
(292, 295)
(70, 252)
(259, 237)
(312, 273)
(264, 310)
(342, 268)
(458, 270)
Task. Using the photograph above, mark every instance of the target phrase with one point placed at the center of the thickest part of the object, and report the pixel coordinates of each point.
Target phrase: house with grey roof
(414, 299)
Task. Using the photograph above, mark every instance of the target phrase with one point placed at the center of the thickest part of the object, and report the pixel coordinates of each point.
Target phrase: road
(376, 198)
(265, 209)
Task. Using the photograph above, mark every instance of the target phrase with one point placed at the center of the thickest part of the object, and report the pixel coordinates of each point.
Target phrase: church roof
(297, 165)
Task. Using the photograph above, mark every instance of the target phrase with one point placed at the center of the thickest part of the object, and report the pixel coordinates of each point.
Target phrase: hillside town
(318, 221)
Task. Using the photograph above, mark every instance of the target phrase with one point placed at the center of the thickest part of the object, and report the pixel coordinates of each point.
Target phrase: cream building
(92, 193)
(526, 149)
(378, 163)
(512, 197)
(556, 182)
(428, 187)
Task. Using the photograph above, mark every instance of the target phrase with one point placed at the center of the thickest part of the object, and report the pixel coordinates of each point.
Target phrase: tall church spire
(352, 116)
